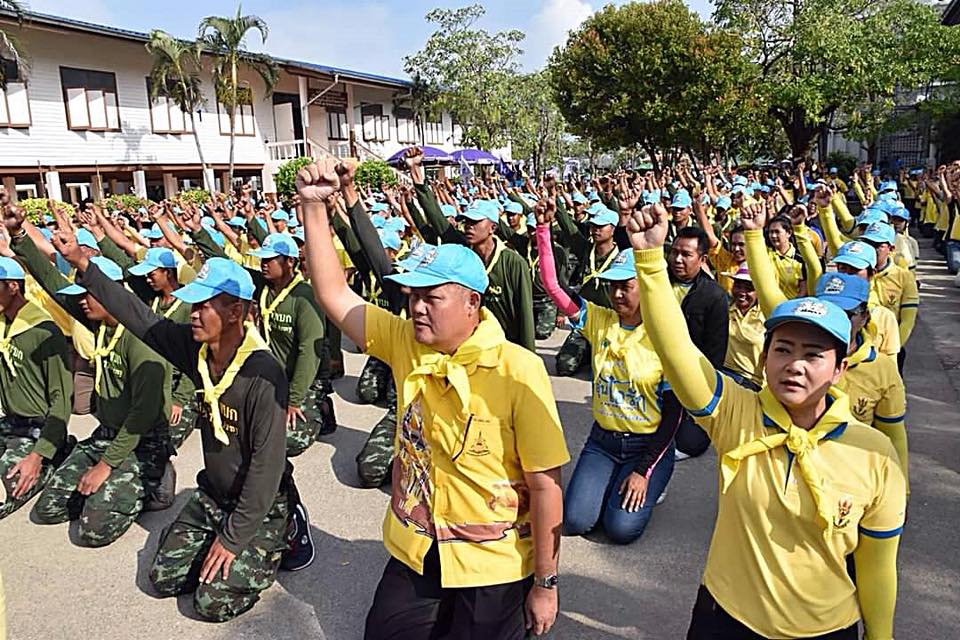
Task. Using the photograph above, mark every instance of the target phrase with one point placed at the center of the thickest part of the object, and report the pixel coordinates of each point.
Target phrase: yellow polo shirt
(745, 342)
(724, 266)
(884, 330)
(895, 287)
(789, 271)
(907, 250)
(628, 380)
(874, 385)
(458, 474)
(82, 338)
(771, 564)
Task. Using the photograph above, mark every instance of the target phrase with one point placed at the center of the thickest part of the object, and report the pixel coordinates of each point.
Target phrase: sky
(361, 35)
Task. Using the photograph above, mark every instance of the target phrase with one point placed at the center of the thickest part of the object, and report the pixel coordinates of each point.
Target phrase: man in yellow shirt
(473, 526)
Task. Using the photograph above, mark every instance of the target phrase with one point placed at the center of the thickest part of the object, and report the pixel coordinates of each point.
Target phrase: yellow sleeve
(909, 306)
(540, 443)
(386, 335)
(762, 273)
(828, 224)
(857, 189)
(883, 329)
(846, 220)
(889, 416)
(808, 253)
(876, 563)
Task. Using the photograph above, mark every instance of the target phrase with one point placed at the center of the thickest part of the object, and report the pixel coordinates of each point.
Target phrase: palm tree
(176, 76)
(9, 47)
(224, 38)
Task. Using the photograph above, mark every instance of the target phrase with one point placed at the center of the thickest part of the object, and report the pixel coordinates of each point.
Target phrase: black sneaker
(328, 417)
(300, 551)
(163, 495)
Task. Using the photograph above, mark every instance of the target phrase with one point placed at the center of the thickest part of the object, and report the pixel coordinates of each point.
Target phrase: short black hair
(703, 243)
(840, 347)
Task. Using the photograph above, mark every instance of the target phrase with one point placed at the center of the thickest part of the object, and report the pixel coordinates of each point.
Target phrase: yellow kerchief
(29, 316)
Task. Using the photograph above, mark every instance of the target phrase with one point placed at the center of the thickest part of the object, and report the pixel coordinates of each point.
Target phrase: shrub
(125, 202)
(844, 162)
(286, 179)
(194, 196)
(36, 208)
(373, 173)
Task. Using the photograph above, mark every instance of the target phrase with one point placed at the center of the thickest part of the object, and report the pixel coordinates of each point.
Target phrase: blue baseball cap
(900, 212)
(217, 237)
(833, 170)
(579, 198)
(449, 211)
(724, 202)
(378, 207)
(208, 222)
(279, 215)
(379, 222)
(888, 196)
(531, 220)
(681, 199)
(416, 255)
(651, 197)
(448, 263)
(482, 210)
(86, 239)
(871, 215)
(153, 233)
(237, 221)
(622, 268)
(395, 224)
(156, 258)
(109, 268)
(390, 239)
(739, 181)
(10, 269)
(741, 189)
(602, 217)
(299, 236)
(514, 208)
(274, 245)
(48, 219)
(880, 232)
(820, 313)
(843, 289)
(888, 185)
(218, 275)
(593, 196)
(856, 254)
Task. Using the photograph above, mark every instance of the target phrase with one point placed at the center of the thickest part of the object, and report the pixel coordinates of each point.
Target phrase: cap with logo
(845, 290)
(821, 314)
(390, 239)
(622, 268)
(10, 269)
(412, 259)
(870, 215)
(218, 275)
(482, 210)
(856, 254)
(880, 232)
(109, 268)
(602, 216)
(514, 208)
(449, 263)
(156, 258)
(681, 199)
(724, 202)
(274, 245)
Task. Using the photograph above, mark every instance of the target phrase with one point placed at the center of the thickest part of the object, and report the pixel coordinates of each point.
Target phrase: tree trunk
(653, 158)
(203, 163)
(233, 120)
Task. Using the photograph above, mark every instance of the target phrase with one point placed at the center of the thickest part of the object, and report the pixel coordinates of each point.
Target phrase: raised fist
(318, 181)
(647, 226)
(413, 157)
(753, 216)
(346, 171)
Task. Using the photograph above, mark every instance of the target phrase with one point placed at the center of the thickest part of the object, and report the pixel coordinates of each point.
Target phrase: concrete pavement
(56, 589)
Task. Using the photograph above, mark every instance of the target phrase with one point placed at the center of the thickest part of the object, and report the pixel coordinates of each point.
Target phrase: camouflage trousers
(108, 513)
(304, 432)
(372, 384)
(13, 449)
(573, 354)
(375, 459)
(545, 318)
(184, 546)
(181, 431)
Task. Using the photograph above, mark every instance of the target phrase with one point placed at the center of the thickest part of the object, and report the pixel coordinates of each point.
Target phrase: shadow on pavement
(346, 443)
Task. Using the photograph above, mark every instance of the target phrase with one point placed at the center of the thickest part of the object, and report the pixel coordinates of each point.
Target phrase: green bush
(125, 202)
(194, 196)
(286, 178)
(36, 208)
(373, 173)
(844, 162)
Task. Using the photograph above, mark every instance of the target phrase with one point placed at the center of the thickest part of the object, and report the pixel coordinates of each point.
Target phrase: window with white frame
(91, 99)
(243, 121)
(376, 126)
(14, 104)
(433, 132)
(337, 128)
(406, 125)
(166, 116)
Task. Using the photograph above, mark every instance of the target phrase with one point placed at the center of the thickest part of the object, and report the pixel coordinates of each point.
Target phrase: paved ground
(56, 589)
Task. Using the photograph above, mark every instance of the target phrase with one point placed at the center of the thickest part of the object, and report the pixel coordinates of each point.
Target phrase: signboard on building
(329, 100)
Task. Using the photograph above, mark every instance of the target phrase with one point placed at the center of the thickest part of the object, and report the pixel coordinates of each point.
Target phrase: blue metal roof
(127, 34)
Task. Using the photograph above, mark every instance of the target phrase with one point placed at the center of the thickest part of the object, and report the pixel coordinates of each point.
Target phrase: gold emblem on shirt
(844, 506)
(479, 447)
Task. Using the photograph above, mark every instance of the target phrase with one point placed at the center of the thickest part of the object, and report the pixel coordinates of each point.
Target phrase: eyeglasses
(463, 444)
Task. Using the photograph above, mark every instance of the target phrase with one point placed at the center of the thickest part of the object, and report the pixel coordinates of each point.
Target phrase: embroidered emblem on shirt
(844, 506)
(479, 447)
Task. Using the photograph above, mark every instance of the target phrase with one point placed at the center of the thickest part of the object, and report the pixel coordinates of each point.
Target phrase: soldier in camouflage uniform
(106, 479)
(375, 458)
(374, 382)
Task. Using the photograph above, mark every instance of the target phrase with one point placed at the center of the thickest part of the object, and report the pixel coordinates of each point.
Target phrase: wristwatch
(546, 582)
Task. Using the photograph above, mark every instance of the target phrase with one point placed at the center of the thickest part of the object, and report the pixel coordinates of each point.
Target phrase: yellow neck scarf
(29, 316)
(266, 310)
(498, 248)
(435, 368)
(155, 305)
(252, 342)
(800, 442)
(594, 272)
(100, 352)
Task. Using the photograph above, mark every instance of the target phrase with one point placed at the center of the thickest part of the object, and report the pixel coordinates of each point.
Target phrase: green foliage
(36, 208)
(194, 196)
(844, 162)
(468, 72)
(125, 202)
(286, 178)
(536, 132)
(373, 173)
(654, 74)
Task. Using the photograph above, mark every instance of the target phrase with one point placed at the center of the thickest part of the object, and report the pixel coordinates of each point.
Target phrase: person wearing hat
(510, 296)
(628, 458)
(681, 208)
(107, 480)
(224, 544)
(835, 181)
(803, 484)
(281, 220)
(907, 249)
(746, 331)
(35, 390)
(476, 506)
(782, 250)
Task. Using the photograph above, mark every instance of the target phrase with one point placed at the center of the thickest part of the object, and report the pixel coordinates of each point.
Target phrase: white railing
(283, 151)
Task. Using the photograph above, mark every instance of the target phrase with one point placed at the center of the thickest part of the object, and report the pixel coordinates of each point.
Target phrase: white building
(80, 119)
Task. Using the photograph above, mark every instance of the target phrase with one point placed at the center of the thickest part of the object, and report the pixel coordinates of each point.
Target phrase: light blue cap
(142, 210)
(208, 222)
(514, 208)
(888, 196)
(274, 245)
(46, 233)
(880, 232)
(390, 239)
(871, 214)
(888, 185)
(378, 207)
(153, 233)
(579, 198)
(86, 239)
(294, 223)
(395, 224)
(416, 255)
(109, 268)
(603, 217)
(818, 312)
(856, 254)
(593, 196)
(845, 290)
(280, 215)
(378, 222)
(531, 220)
(621, 269)
(156, 258)
(299, 236)
(450, 211)
(739, 188)
(48, 219)
(217, 237)
(833, 170)
(218, 275)
(463, 202)
(448, 263)
(739, 181)
(482, 210)
(237, 221)
(901, 212)
(875, 172)
(724, 202)
(10, 269)
(651, 197)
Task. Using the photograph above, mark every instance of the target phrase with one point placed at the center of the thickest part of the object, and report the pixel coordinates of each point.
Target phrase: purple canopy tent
(431, 155)
(475, 156)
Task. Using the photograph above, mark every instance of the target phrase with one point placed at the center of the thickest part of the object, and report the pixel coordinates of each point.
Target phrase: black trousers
(408, 606)
(711, 622)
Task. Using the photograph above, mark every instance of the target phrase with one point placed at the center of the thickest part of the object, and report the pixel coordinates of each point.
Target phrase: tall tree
(9, 45)
(816, 57)
(654, 75)
(537, 129)
(225, 38)
(176, 75)
(470, 73)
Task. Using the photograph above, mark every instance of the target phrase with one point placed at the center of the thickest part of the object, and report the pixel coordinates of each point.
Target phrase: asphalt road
(55, 589)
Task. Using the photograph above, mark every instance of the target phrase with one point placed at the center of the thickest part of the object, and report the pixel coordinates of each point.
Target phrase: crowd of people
(744, 308)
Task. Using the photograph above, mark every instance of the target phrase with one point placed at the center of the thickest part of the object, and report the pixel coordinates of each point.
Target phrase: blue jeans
(953, 256)
(593, 496)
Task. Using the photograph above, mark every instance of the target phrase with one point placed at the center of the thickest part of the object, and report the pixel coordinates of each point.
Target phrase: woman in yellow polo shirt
(628, 458)
(803, 485)
(791, 272)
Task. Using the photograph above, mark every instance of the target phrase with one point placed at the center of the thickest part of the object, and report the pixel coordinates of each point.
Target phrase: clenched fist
(318, 181)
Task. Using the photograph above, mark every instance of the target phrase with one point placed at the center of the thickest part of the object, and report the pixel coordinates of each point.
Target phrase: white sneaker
(680, 455)
(662, 497)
